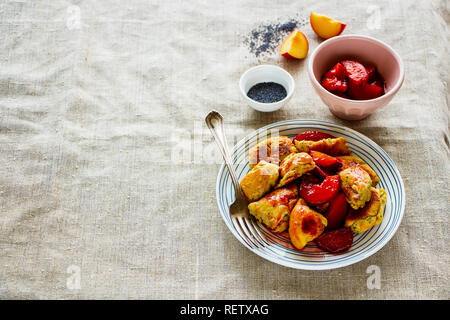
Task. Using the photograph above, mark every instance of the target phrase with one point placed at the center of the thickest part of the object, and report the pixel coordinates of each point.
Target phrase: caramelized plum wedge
(355, 72)
(336, 212)
(312, 136)
(337, 241)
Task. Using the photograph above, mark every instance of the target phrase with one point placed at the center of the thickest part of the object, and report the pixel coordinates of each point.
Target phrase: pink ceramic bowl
(365, 50)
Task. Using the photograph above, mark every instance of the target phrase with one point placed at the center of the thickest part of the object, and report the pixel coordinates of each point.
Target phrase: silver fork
(240, 217)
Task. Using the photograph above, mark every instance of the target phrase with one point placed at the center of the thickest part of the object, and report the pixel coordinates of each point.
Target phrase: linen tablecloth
(107, 175)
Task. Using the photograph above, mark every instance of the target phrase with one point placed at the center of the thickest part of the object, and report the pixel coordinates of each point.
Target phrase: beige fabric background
(106, 164)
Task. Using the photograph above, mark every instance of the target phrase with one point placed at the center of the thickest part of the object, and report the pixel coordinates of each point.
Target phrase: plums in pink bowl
(368, 51)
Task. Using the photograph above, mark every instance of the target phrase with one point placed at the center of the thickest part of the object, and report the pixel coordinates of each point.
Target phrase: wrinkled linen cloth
(108, 172)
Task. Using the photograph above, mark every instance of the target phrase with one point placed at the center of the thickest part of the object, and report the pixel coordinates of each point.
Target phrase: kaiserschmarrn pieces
(272, 150)
(294, 166)
(259, 180)
(372, 214)
(356, 184)
(276, 201)
(305, 224)
(354, 161)
(273, 209)
(332, 147)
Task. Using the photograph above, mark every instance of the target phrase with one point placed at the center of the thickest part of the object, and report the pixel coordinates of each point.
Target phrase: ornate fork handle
(214, 121)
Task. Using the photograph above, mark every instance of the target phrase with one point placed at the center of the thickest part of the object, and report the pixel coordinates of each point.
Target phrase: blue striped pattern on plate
(312, 258)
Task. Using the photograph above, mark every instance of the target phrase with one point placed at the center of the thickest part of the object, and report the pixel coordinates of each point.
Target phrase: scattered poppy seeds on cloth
(266, 38)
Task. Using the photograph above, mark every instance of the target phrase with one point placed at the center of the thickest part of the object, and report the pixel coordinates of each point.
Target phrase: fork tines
(248, 232)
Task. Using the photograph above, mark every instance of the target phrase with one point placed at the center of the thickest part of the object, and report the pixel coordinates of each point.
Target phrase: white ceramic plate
(278, 248)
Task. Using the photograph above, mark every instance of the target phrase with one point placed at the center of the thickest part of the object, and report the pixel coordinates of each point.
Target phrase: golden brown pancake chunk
(354, 161)
(305, 224)
(259, 180)
(272, 150)
(294, 166)
(371, 215)
(274, 208)
(332, 147)
(356, 184)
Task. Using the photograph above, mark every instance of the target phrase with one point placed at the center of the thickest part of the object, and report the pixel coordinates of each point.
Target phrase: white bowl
(266, 73)
(278, 247)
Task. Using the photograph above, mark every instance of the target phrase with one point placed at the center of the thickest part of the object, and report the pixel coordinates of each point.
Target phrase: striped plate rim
(311, 258)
